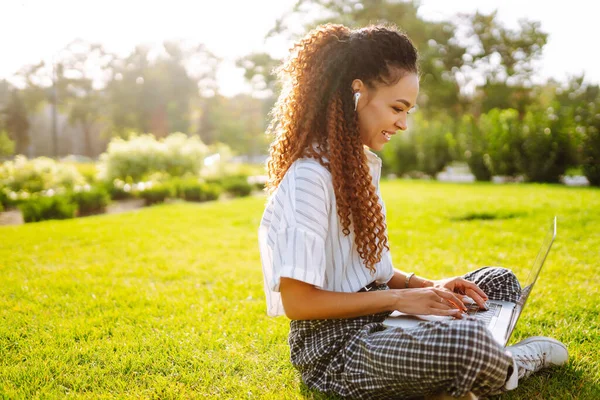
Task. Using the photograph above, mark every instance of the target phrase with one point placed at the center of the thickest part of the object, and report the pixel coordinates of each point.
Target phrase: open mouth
(387, 135)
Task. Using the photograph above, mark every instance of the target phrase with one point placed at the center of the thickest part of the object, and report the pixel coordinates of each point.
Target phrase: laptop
(501, 316)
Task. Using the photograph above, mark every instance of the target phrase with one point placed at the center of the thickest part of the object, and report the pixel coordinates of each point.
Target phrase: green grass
(167, 301)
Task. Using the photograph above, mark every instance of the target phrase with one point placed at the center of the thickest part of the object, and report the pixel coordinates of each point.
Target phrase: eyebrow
(407, 103)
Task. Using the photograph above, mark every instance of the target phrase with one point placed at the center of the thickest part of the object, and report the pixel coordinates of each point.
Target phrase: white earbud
(356, 97)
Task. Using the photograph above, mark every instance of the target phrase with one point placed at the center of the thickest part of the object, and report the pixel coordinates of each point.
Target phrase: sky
(35, 30)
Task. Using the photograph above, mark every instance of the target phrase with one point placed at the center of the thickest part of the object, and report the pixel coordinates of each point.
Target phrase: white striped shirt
(300, 235)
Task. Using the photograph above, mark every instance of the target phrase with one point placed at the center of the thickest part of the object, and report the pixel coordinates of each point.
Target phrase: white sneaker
(537, 352)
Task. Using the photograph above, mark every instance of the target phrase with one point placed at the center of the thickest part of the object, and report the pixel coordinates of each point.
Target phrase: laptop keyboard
(484, 315)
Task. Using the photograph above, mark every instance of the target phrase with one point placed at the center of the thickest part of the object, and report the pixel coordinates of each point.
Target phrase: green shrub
(258, 181)
(502, 130)
(92, 201)
(478, 166)
(433, 144)
(192, 190)
(89, 171)
(119, 190)
(400, 155)
(7, 146)
(237, 186)
(476, 148)
(591, 155)
(547, 149)
(157, 193)
(4, 200)
(38, 174)
(40, 208)
(176, 155)
(590, 130)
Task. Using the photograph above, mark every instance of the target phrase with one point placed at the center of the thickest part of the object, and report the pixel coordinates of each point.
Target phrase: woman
(324, 245)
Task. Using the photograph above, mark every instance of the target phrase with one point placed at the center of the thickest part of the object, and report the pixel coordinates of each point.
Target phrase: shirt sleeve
(299, 248)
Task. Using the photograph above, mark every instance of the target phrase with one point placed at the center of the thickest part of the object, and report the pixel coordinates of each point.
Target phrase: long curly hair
(314, 117)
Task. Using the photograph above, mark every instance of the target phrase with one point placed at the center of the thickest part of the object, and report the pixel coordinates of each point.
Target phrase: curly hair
(314, 117)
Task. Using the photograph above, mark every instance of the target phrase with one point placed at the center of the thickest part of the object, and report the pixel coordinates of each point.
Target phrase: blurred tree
(503, 58)
(156, 94)
(591, 150)
(547, 149)
(503, 132)
(432, 143)
(238, 122)
(15, 121)
(399, 156)
(475, 144)
(441, 55)
(208, 120)
(85, 104)
(67, 84)
(259, 72)
(4, 92)
(7, 146)
(579, 103)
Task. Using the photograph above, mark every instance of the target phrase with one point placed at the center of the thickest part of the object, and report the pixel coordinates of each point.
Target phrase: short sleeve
(293, 245)
(299, 251)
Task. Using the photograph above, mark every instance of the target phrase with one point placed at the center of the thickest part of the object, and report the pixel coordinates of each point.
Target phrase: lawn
(167, 301)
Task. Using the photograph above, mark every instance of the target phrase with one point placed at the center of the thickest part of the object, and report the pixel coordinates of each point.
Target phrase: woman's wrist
(419, 282)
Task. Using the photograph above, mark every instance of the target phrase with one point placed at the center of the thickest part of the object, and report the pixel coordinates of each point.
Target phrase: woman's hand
(430, 301)
(463, 287)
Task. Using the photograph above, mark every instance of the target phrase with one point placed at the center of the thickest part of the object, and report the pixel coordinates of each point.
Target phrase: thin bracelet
(408, 279)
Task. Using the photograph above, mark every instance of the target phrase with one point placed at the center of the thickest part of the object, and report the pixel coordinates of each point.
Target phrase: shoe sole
(543, 339)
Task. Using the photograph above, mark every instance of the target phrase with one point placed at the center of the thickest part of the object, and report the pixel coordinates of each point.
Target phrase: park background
(109, 107)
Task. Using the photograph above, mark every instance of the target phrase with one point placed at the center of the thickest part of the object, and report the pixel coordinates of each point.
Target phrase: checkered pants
(362, 358)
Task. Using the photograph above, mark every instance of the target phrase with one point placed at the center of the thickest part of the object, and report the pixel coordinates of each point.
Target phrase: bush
(400, 155)
(237, 186)
(591, 142)
(4, 200)
(91, 200)
(37, 175)
(176, 155)
(7, 146)
(193, 190)
(89, 171)
(475, 143)
(119, 190)
(40, 208)
(502, 130)
(432, 144)
(591, 155)
(157, 193)
(547, 149)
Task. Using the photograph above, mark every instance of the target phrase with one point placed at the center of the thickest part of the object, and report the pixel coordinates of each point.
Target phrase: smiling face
(382, 109)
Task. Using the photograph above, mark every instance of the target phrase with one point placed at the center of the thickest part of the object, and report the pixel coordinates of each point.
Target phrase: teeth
(387, 135)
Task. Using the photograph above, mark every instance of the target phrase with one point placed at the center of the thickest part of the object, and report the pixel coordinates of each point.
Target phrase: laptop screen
(527, 285)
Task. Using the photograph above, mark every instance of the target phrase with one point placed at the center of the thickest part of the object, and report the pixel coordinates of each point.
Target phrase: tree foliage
(16, 122)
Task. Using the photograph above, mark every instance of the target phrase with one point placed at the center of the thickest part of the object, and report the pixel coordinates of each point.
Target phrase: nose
(401, 123)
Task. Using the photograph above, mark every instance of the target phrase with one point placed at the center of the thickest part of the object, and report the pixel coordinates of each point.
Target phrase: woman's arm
(304, 301)
(456, 284)
(398, 281)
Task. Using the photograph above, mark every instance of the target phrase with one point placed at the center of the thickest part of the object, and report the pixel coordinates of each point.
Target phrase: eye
(397, 109)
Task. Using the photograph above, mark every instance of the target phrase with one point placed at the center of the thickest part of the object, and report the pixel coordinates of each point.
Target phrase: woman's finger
(477, 298)
(449, 311)
(453, 299)
(477, 289)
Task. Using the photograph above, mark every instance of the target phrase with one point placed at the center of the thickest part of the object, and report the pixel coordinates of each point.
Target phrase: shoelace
(530, 363)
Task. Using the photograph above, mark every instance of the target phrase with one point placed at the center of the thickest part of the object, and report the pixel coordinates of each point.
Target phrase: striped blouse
(300, 235)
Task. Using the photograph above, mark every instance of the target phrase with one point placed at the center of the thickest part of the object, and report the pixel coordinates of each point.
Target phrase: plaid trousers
(362, 358)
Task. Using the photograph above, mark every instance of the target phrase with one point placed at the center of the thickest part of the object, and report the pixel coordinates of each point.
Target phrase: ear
(357, 85)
